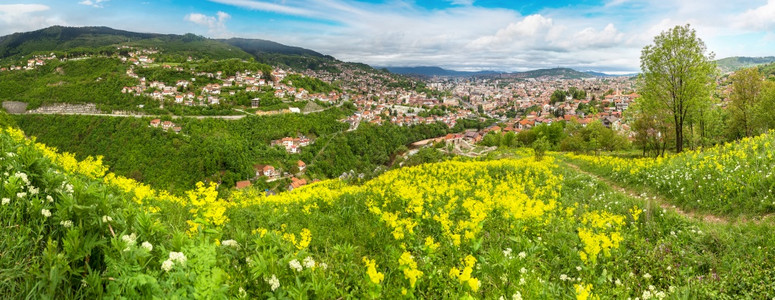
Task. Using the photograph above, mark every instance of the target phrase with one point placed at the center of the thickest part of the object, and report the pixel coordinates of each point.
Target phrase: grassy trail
(654, 199)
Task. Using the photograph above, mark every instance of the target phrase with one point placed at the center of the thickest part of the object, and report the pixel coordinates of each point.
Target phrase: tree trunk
(679, 136)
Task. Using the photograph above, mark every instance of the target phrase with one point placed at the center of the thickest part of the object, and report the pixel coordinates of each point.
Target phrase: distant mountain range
(565, 73)
(731, 64)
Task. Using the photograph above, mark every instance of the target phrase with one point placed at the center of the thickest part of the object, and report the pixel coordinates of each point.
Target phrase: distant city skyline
(464, 35)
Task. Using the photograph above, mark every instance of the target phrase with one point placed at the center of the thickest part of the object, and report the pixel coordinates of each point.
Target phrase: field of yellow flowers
(499, 229)
(737, 178)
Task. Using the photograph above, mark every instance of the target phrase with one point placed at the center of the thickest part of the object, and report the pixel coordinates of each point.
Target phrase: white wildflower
(507, 253)
(45, 212)
(618, 282)
(647, 276)
(661, 295)
(178, 256)
(563, 277)
(516, 296)
(523, 270)
(23, 177)
(6, 201)
(130, 240)
(309, 263)
(522, 255)
(249, 261)
(50, 199)
(66, 223)
(33, 190)
(578, 268)
(21, 195)
(106, 219)
(323, 266)
(273, 282)
(646, 295)
(242, 292)
(522, 281)
(147, 246)
(167, 265)
(230, 243)
(294, 264)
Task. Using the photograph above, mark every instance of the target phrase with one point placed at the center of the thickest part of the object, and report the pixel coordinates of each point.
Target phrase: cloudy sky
(602, 35)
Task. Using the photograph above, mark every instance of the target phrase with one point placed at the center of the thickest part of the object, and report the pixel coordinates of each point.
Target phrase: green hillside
(731, 64)
(103, 40)
(514, 228)
(174, 162)
(226, 150)
(95, 80)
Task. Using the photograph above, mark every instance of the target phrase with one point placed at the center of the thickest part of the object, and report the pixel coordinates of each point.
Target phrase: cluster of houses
(292, 145)
(165, 125)
(246, 81)
(32, 63)
(271, 174)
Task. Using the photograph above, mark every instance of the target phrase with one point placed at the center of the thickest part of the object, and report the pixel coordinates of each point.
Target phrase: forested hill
(731, 64)
(104, 40)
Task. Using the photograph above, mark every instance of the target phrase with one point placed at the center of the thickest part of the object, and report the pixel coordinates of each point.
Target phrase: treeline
(363, 150)
(310, 84)
(573, 92)
(229, 67)
(747, 112)
(562, 136)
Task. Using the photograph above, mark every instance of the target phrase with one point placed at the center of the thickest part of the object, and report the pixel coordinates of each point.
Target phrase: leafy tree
(746, 86)
(677, 76)
(765, 106)
(540, 146)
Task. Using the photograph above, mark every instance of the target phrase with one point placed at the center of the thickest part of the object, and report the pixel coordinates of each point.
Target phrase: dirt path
(656, 200)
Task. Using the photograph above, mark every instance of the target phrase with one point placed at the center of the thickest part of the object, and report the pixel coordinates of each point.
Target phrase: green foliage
(368, 147)
(593, 138)
(311, 84)
(95, 80)
(176, 161)
(74, 251)
(677, 77)
(540, 146)
(561, 95)
(423, 156)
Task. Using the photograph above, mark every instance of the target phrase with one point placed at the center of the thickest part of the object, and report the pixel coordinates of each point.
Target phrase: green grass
(539, 208)
(735, 179)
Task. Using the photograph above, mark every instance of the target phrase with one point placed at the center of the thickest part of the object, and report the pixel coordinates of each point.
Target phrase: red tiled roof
(243, 184)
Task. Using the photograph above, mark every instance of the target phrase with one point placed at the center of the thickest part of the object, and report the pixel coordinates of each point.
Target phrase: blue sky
(600, 35)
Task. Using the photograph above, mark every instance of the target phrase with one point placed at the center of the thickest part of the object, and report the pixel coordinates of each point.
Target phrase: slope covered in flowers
(512, 228)
(734, 178)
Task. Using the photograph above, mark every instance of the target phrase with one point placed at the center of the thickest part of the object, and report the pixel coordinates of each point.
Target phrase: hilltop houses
(266, 170)
(165, 125)
(292, 145)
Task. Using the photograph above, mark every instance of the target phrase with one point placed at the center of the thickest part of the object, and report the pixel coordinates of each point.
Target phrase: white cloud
(760, 18)
(461, 2)
(95, 3)
(25, 17)
(539, 32)
(266, 6)
(215, 25)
